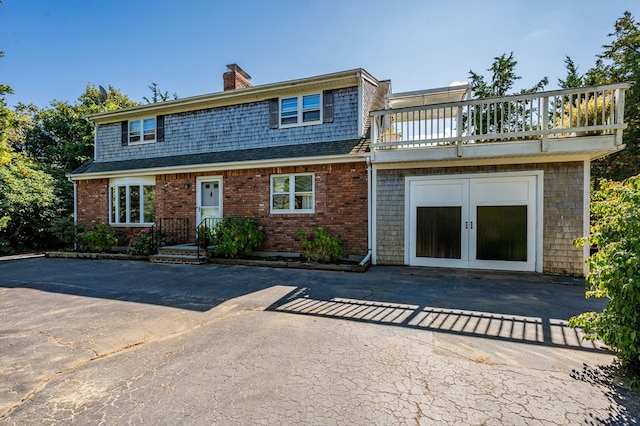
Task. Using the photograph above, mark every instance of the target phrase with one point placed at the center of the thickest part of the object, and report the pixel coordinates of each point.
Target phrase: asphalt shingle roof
(351, 146)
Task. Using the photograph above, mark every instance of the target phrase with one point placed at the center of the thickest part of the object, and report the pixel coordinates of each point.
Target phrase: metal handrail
(209, 223)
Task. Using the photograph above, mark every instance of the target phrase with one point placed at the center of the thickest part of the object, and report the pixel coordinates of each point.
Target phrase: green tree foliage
(38, 147)
(60, 138)
(619, 62)
(573, 78)
(503, 78)
(159, 96)
(27, 199)
(28, 203)
(615, 269)
(503, 116)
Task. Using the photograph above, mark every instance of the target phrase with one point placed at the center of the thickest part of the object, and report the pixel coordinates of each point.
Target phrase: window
(292, 193)
(132, 201)
(300, 110)
(143, 130)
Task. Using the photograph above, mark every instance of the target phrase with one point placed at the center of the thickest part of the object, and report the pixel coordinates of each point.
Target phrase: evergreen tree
(620, 62)
(503, 116)
(573, 79)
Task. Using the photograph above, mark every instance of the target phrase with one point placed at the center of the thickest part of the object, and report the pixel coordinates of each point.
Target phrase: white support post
(459, 132)
(545, 124)
(373, 214)
(619, 98)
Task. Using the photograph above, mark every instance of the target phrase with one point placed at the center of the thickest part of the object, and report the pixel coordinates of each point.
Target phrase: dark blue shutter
(274, 116)
(124, 126)
(160, 128)
(327, 106)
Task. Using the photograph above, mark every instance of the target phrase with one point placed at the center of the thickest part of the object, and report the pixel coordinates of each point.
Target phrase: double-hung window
(132, 201)
(143, 130)
(301, 110)
(292, 193)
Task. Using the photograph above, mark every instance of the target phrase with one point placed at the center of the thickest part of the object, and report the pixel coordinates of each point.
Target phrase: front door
(477, 222)
(209, 200)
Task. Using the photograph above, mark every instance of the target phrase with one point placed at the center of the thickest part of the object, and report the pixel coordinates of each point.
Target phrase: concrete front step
(183, 252)
(190, 259)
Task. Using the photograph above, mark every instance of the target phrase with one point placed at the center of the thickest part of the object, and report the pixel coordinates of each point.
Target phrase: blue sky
(53, 49)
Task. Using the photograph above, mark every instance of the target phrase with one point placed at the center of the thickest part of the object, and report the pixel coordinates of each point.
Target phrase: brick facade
(93, 202)
(340, 203)
(563, 208)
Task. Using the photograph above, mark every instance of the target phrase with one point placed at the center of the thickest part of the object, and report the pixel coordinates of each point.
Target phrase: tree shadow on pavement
(625, 403)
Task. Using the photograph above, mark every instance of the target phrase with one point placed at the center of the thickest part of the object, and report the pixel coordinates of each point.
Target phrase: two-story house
(423, 178)
(290, 154)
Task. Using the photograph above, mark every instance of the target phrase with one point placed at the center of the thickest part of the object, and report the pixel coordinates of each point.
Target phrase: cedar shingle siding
(236, 127)
(563, 211)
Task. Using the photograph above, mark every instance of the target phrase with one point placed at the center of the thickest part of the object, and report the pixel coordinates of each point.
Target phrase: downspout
(75, 210)
(367, 258)
(95, 139)
(586, 218)
(371, 174)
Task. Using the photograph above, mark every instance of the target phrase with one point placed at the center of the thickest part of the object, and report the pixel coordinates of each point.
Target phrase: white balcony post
(619, 99)
(459, 131)
(545, 124)
(374, 132)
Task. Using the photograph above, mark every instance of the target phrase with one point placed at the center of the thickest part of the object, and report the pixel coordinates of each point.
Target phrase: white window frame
(141, 122)
(115, 209)
(292, 194)
(301, 110)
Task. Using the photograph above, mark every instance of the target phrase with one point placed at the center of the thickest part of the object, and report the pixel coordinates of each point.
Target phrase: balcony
(586, 122)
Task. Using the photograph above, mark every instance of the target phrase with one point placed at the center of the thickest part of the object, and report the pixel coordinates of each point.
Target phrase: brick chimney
(235, 78)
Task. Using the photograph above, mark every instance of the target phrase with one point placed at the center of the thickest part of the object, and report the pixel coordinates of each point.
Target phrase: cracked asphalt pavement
(116, 342)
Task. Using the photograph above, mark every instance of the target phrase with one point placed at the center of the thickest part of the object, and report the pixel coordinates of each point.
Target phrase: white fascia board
(481, 162)
(500, 152)
(235, 97)
(241, 165)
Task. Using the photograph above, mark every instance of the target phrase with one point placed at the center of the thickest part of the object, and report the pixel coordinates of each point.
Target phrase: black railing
(175, 230)
(204, 232)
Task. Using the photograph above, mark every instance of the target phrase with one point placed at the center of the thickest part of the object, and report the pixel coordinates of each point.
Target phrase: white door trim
(199, 181)
(535, 210)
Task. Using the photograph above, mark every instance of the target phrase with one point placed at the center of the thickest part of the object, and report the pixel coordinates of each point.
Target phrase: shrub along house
(422, 178)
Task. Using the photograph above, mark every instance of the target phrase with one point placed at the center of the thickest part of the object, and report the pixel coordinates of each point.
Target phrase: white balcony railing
(564, 113)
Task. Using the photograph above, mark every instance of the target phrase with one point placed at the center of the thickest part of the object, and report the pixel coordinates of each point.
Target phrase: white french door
(488, 222)
(208, 199)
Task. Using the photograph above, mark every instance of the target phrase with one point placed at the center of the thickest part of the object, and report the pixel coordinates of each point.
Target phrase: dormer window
(301, 110)
(143, 130)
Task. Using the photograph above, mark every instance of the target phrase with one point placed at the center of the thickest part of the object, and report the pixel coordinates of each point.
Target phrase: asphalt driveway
(116, 342)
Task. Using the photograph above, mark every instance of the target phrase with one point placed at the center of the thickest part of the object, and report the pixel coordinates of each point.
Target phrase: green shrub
(65, 232)
(205, 235)
(615, 269)
(148, 243)
(5, 247)
(320, 246)
(236, 237)
(100, 239)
